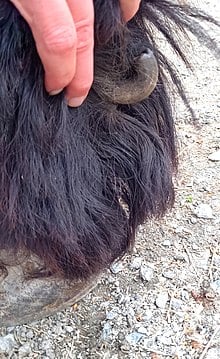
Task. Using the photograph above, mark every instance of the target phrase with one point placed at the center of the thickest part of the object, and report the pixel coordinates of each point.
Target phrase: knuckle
(59, 39)
(85, 34)
(82, 88)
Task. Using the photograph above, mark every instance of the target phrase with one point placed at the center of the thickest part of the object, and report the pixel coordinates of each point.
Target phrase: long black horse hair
(76, 182)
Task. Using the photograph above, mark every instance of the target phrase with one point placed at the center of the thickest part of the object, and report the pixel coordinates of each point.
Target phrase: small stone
(169, 274)
(24, 350)
(148, 342)
(216, 261)
(166, 243)
(30, 334)
(136, 263)
(106, 331)
(185, 295)
(146, 273)
(46, 344)
(179, 230)
(195, 247)
(69, 329)
(125, 348)
(193, 220)
(111, 315)
(203, 210)
(58, 329)
(134, 338)
(147, 315)
(116, 267)
(164, 340)
(176, 304)
(215, 156)
(111, 279)
(7, 343)
(215, 286)
(142, 330)
(161, 300)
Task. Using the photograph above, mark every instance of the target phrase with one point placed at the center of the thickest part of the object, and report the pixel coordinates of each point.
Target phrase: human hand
(64, 35)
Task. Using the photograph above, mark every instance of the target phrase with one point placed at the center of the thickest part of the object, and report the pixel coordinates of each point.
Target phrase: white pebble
(161, 300)
(30, 334)
(176, 304)
(146, 273)
(7, 343)
(69, 329)
(169, 274)
(134, 338)
(106, 331)
(142, 330)
(116, 267)
(164, 340)
(203, 210)
(216, 286)
(136, 263)
(215, 156)
(166, 243)
(147, 315)
(24, 350)
(111, 315)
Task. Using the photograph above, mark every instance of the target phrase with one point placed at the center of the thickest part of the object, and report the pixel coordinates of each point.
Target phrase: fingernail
(76, 101)
(55, 92)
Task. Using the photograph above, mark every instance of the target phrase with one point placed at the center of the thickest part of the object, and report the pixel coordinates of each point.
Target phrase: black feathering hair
(76, 182)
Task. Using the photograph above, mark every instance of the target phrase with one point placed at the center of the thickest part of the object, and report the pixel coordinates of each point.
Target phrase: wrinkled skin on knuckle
(85, 35)
(61, 39)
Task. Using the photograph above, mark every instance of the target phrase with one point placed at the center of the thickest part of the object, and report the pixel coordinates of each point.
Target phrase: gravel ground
(163, 299)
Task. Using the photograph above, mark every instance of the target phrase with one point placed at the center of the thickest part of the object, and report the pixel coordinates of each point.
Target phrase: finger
(55, 35)
(83, 17)
(129, 8)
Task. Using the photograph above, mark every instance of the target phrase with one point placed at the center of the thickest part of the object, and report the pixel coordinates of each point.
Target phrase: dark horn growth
(132, 87)
(76, 183)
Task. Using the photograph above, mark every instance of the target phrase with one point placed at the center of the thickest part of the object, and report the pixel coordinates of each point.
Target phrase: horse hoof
(24, 299)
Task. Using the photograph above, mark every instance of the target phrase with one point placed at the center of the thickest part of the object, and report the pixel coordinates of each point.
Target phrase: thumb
(129, 8)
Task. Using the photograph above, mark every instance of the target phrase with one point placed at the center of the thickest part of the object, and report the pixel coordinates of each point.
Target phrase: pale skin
(64, 34)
